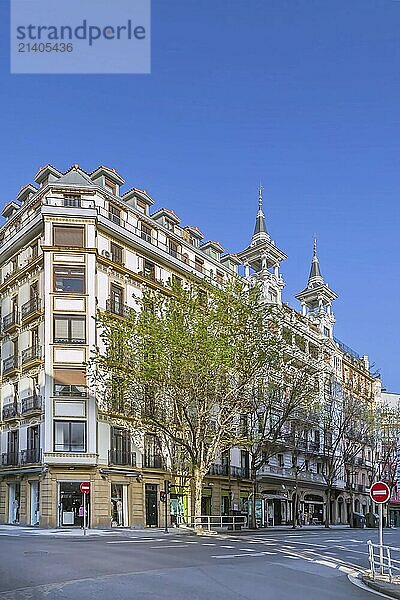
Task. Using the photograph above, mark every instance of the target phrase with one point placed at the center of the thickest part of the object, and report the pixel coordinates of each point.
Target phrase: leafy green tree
(183, 366)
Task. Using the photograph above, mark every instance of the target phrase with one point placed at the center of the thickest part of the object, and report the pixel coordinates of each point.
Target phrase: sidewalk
(382, 584)
(20, 530)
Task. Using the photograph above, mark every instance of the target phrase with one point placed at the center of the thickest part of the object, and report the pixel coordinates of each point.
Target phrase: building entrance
(151, 505)
(71, 505)
(14, 493)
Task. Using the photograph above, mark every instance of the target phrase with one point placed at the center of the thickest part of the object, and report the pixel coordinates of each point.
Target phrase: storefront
(14, 502)
(34, 490)
(119, 505)
(313, 509)
(70, 505)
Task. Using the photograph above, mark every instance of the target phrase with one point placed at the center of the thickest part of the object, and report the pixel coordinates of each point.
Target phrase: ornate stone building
(73, 244)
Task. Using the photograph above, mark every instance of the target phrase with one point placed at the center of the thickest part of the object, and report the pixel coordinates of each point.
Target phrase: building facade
(73, 244)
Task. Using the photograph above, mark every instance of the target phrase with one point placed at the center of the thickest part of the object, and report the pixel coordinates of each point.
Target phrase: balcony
(10, 322)
(10, 364)
(31, 309)
(31, 356)
(117, 308)
(153, 462)
(9, 459)
(31, 456)
(290, 473)
(228, 471)
(10, 411)
(31, 404)
(122, 457)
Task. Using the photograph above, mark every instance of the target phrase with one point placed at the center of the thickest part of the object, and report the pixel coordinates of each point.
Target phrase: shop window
(72, 237)
(69, 280)
(69, 436)
(69, 330)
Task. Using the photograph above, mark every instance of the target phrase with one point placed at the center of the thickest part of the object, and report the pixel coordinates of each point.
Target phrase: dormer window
(110, 186)
(193, 241)
(141, 206)
(169, 225)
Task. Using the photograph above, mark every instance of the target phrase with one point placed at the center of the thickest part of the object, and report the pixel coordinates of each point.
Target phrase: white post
(84, 514)
(381, 538)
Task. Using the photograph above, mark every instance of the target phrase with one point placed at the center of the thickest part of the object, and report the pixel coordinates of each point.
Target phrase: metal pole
(166, 506)
(381, 538)
(84, 514)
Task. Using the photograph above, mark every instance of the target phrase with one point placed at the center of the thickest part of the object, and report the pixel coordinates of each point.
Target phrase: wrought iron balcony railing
(32, 353)
(30, 404)
(9, 459)
(122, 457)
(31, 456)
(32, 306)
(9, 364)
(10, 411)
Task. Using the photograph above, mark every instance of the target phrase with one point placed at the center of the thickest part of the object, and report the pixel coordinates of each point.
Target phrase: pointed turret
(260, 229)
(316, 299)
(315, 277)
(263, 257)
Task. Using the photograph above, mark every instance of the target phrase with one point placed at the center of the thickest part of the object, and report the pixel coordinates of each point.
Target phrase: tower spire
(260, 229)
(315, 277)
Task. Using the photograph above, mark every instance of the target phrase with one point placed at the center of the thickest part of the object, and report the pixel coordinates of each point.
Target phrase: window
(70, 383)
(326, 332)
(69, 330)
(172, 248)
(176, 281)
(280, 460)
(199, 265)
(110, 185)
(117, 253)
(72, 237)
(69, 436)
(114, 214)
(34, 251)
(149, 269)
(120, 446)
(116, 299)
(141, 206)
(70, 280)
(220, 277)
(72, 201)
(145, 232)
(169, 225)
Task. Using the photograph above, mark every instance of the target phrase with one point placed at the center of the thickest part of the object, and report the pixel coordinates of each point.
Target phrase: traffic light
(167, 486)
(163, 496)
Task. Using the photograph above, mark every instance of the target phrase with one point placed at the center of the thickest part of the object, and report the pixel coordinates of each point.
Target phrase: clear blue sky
(304, 94)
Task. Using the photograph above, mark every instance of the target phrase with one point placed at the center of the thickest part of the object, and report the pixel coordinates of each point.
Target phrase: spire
(315, 277)
(260, 229)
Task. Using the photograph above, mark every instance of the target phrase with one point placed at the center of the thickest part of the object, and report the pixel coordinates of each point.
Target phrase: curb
(390, 590)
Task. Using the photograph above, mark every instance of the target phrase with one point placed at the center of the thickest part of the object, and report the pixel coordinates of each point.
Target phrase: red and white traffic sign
(379, 492)
(85, 487)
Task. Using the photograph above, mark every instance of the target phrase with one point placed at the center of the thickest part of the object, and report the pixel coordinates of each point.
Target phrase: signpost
(380, 493)
(85, 489)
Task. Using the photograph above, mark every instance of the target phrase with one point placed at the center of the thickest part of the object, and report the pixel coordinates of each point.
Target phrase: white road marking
(164, 546)
(208, 544)
(254, 554)
(229, 547)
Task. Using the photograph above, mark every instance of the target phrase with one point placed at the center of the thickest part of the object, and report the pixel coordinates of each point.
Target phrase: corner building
(73, 244)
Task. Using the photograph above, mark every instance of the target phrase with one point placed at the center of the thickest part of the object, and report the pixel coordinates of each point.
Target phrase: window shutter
(61, 328)
(78, 329)
(68, 236)
(70, 376)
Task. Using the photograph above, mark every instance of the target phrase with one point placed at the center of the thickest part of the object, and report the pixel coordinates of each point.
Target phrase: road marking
(255, 554)
(229, 547)
(164, 546)
(208, 544)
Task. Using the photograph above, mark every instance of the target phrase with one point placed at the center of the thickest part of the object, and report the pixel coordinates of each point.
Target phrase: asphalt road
(272, 564)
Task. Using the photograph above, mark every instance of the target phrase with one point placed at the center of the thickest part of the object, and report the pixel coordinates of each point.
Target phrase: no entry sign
(379, 492)
(85, 487)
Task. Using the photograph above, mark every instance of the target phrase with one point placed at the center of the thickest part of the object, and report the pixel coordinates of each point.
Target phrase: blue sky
(302, 94)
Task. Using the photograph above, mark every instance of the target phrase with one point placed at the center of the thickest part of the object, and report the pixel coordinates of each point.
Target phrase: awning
(22, 471)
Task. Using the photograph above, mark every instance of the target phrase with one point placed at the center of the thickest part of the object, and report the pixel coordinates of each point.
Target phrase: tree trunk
(328, 508)
(295, 499)
(252, 515)
(198, 489)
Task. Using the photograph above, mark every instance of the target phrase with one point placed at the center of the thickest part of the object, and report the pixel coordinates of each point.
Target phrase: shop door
(14, 502)
(71, 499)
(277, 512)
(35, 515)
(151, 505)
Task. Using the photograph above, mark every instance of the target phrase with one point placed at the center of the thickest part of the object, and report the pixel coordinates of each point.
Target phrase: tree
(281, 407)
(186, 363)
(347, 425)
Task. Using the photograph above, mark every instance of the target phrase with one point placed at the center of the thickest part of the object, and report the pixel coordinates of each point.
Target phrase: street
(278, 564)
